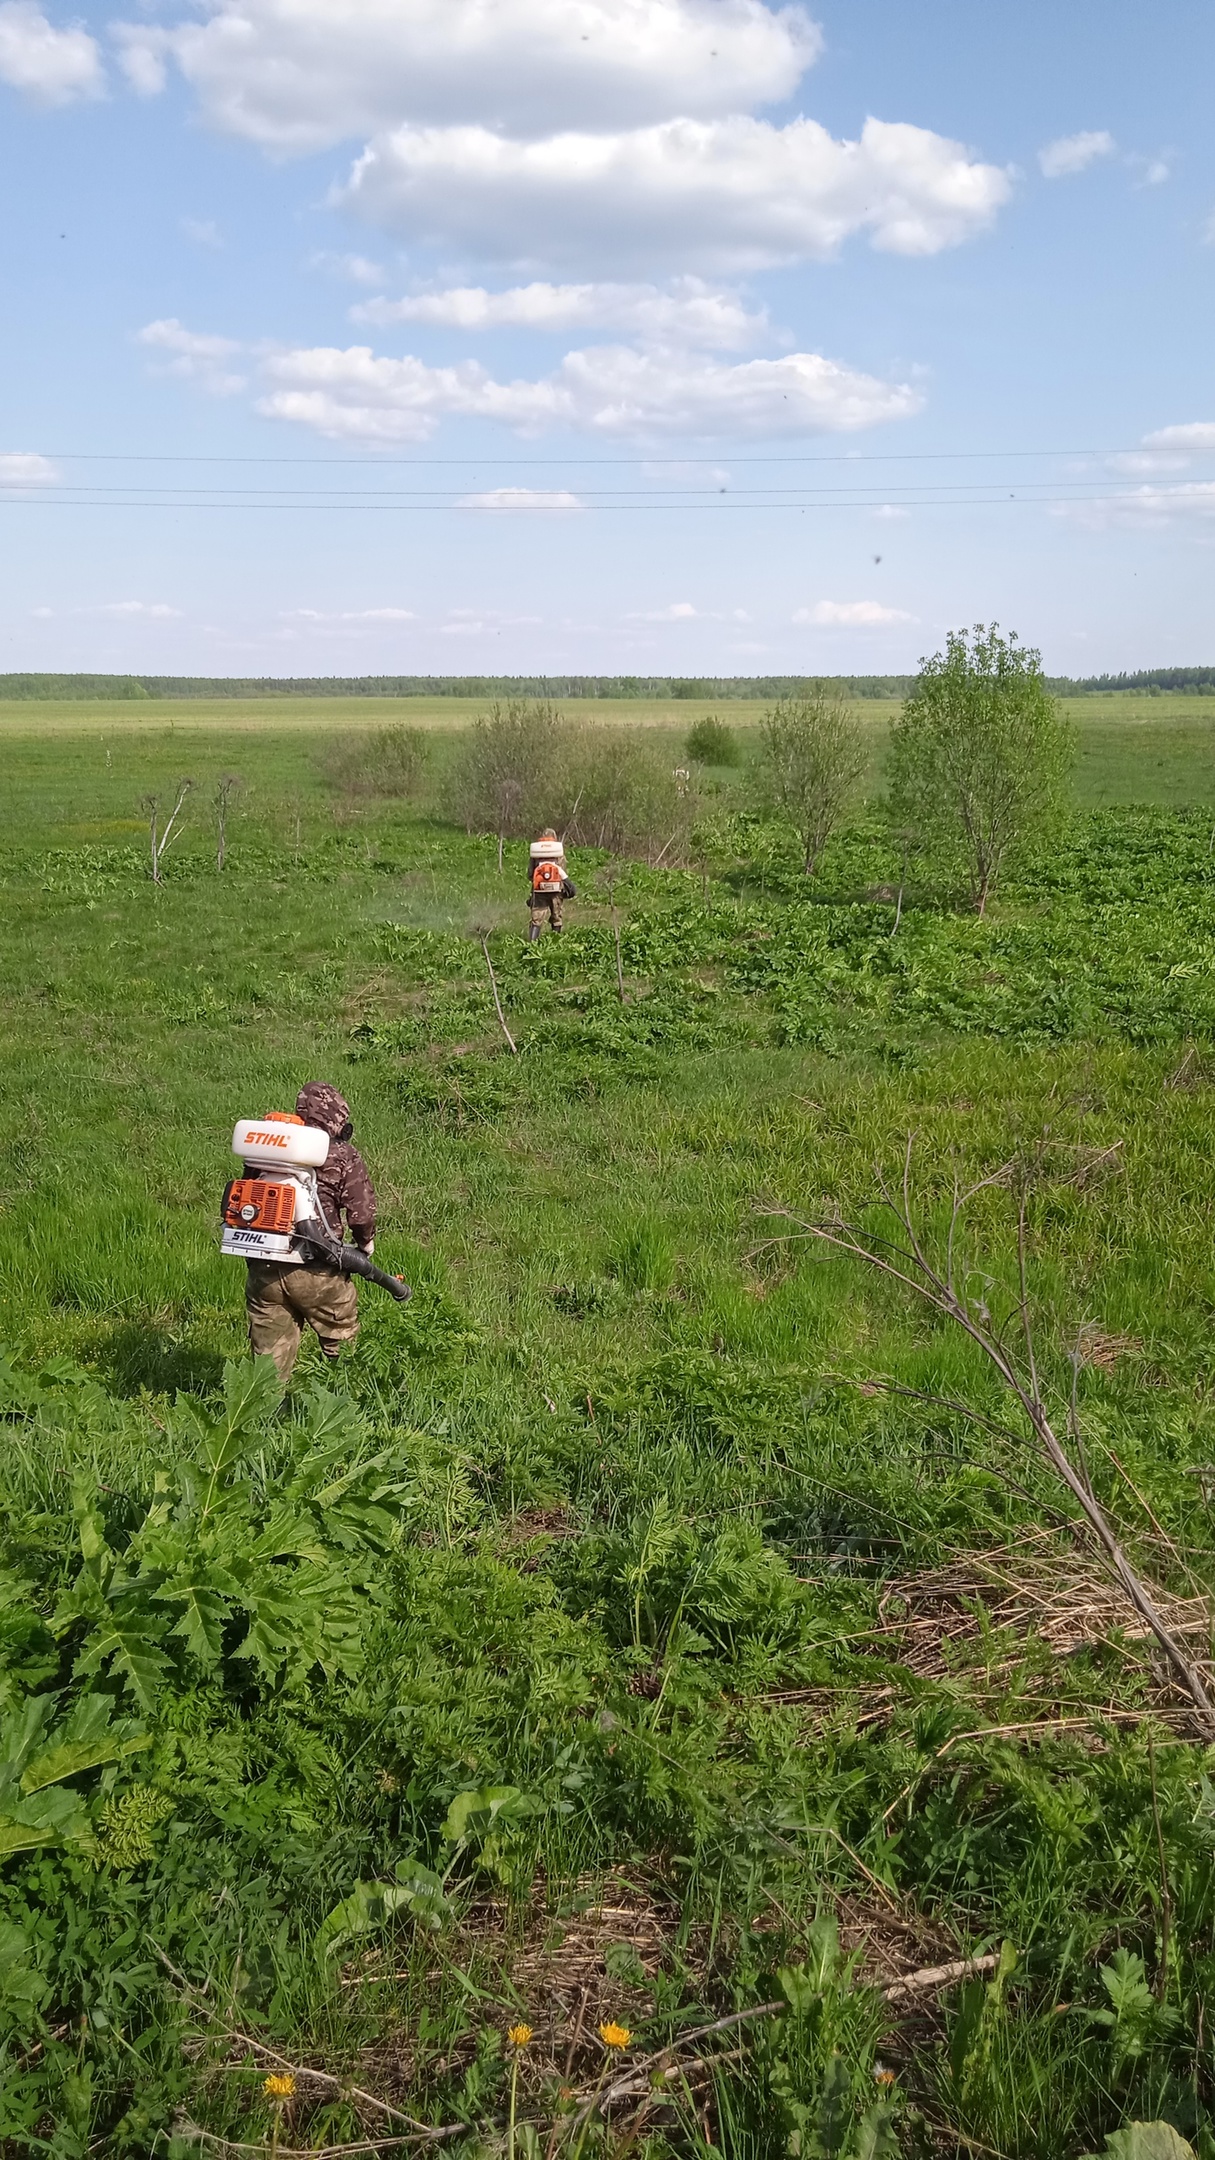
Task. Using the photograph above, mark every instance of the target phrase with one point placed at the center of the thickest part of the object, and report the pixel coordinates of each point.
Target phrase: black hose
(352, 1261)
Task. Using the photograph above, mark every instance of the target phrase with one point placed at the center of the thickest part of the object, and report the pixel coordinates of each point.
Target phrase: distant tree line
(1198, 681)
(564, 687)
(1149, 682)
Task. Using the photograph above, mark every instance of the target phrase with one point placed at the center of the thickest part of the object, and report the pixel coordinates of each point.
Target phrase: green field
(657, 1629)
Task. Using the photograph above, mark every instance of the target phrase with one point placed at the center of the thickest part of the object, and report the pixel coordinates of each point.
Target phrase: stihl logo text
(265, 1139)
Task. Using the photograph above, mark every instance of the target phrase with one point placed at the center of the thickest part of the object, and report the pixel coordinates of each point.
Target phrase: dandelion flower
(279, 2088)
(615, 2036)
(519, 2035)
(882, 2076)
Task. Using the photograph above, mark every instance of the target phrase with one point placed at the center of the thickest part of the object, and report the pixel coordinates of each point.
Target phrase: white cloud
(358, 268)
(203, 231)
(154, 610)
(1146, 461)
(521, 498)
(199, 358)
(465, 622)
(891, 513)
(685, 611)
(1152, 171)
(26, 468)
(689, 312)
(1189, 502)
(1073, 153)
(1190, 435)
(350, 615)
(723, 196)
(611, 390)
(52, 67)
(300, 75)
(851, 615)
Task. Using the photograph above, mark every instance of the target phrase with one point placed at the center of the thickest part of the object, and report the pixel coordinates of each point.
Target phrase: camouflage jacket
(343, 1182)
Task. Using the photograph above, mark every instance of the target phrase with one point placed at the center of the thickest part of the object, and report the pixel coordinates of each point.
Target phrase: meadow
(654, 1641)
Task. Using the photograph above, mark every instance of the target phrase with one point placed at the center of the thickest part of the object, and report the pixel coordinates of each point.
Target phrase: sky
(630, 336)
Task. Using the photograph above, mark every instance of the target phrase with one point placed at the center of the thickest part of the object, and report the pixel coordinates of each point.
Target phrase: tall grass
(648, 1500)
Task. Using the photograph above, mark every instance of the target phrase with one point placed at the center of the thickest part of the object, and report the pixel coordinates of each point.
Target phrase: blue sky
(685, 336)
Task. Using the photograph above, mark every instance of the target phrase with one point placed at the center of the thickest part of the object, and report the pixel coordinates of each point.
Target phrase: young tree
(227, 786)
(507, 761)
(814, 754)
(711, 742)
(980, 755)
(162, 836)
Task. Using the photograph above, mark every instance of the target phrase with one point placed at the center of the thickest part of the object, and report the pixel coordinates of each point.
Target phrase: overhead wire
(661, 486)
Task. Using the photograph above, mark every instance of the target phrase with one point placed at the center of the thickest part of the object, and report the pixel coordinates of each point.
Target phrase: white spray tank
(261, 1212)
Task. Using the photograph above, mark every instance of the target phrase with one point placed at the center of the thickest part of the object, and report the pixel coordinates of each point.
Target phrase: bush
(711, 742)
(623, 795)
(814, 754)
(507, 776)
(388, 761)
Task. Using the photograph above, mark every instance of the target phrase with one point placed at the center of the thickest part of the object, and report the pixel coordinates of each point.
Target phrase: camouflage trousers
(544, 904)
(282, 1301)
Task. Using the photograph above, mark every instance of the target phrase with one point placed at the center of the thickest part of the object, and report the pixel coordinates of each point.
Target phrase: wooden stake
(493, 984)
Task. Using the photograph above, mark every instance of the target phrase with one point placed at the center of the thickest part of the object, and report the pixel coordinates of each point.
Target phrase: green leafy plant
(711, 742)
(1133, 2018)
(233, 1565)
(38, 1804)
(979, 755)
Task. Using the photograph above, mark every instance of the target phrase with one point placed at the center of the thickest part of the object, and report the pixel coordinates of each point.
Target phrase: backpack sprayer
(280, 1217)
(546, 866)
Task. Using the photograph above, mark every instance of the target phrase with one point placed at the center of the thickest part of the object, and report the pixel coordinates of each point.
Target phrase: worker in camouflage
(548, 884)
(281, 1301)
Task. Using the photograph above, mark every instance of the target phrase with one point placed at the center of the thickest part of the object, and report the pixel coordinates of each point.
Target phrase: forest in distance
(1186, 681)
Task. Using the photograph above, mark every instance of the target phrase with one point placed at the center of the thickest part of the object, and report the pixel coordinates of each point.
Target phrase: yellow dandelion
(279, 2088)
(882, 2076)
(519, 2035)
(615, 2036)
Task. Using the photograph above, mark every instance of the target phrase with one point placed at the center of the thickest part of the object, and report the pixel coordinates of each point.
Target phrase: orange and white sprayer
(260, 1213)
(276, 1214)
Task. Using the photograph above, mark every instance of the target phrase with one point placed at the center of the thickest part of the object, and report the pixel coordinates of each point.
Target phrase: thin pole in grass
(611, 885)
(906, 1259)
(493, 984)
(898, 913)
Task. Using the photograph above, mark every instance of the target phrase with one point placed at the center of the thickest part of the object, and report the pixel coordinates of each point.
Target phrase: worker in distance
(304, 1185)
(548, 884)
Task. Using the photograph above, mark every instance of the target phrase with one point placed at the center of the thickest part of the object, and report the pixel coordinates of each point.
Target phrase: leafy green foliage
(592, 1586)
(228, 1565)
(713, 742)
(814, 754)
(979, 756)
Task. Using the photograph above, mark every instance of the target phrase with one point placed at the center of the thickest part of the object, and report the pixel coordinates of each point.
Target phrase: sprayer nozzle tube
(353, 1262)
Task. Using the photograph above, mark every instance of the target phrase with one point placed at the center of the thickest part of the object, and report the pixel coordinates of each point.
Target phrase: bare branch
(493, 984)
(1023, 1384)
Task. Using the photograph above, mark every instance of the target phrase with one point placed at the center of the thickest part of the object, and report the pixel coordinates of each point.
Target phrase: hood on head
(320, 1104)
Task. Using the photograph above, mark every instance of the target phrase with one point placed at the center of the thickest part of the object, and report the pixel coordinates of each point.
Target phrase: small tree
(226, 787)
(161, 837)
(711, 742)
(383, 761)
(507, 763)
(814, 754)
(980, 755)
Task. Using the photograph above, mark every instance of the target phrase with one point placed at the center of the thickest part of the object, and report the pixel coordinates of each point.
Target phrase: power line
(842, 457)
(717, 507)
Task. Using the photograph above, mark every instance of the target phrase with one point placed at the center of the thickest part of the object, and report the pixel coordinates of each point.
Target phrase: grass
(613, 1647)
